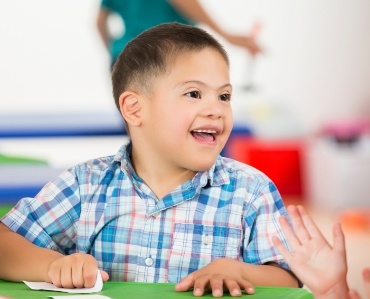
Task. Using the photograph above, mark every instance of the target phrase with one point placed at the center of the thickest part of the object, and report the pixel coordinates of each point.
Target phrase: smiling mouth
(204, 135)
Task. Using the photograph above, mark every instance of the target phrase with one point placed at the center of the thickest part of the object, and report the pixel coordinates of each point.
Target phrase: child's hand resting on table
(78, 270)
(217, 276)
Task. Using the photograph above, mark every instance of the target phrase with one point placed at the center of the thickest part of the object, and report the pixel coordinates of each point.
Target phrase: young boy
(166, 207)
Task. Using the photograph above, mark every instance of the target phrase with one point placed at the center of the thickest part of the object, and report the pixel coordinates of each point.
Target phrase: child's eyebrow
(203, 84)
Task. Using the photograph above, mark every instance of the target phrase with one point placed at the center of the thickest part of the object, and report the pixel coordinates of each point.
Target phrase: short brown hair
(148, 55)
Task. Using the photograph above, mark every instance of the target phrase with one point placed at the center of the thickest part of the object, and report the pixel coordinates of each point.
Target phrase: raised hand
(320, 266)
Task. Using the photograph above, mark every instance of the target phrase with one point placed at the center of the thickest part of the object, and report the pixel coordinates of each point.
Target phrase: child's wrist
(340, 291)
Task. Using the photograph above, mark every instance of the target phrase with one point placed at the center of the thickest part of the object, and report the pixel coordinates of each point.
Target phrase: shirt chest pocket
(195, 245)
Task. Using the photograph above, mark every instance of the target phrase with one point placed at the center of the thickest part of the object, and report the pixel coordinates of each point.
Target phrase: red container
(280, 160)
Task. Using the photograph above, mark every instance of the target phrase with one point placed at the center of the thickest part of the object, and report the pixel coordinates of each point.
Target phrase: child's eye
(225, 97)
(193, 94)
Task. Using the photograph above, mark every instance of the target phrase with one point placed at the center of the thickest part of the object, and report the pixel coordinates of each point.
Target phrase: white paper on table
(95, 296)
(50, 287)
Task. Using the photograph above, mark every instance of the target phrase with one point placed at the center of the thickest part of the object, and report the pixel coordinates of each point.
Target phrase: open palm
(319, 265)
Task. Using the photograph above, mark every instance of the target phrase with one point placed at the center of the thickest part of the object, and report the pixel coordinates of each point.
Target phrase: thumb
(338, 238)
(104, 275)
(185, 284)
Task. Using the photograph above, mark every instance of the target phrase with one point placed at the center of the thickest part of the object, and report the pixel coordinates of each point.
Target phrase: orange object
(356, 219)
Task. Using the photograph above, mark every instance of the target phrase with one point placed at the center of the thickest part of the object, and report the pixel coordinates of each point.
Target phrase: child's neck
(160, 179)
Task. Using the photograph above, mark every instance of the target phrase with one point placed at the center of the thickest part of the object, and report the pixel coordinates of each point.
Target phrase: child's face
(188, 116)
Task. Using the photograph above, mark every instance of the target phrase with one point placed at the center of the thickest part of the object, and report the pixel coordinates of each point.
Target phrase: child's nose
(214, 108)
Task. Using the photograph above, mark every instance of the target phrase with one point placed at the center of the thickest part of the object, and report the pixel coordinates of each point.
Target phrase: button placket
(149, 261)
(207, 240)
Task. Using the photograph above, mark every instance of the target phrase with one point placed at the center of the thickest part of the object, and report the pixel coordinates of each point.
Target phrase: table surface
(132, 290)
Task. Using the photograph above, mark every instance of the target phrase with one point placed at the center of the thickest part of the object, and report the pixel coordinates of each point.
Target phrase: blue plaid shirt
(103, 208)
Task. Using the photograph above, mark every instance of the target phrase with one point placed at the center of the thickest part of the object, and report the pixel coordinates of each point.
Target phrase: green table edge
(137, 290)
(5, 208)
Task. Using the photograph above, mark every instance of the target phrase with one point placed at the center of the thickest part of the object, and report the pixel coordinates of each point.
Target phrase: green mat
(6, 159)
(4, 209)
(132, 290)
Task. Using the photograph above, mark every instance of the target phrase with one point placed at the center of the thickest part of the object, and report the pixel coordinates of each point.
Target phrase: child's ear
(130, 108)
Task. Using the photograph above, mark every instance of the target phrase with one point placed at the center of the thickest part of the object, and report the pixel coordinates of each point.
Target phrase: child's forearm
(268, 275)
(22, 260)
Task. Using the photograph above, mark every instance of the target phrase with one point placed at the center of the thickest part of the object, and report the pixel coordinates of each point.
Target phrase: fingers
(246, 286)
(74, 271)
(185, 284)
(215, 284)
(289, 233)
(54, 273)
(256, 29)
(234, 287)
(89, 274)
(73, 278)
(253, 47)
(309, 224)
(201, 285)
(305, 228)
(282, 249)
(338, 239)
(300, 229)
(104, 275)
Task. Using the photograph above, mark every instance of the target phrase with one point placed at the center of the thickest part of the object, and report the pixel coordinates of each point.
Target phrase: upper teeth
(206, 131)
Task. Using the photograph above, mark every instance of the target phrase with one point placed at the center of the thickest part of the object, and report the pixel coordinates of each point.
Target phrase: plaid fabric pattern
(103, 208)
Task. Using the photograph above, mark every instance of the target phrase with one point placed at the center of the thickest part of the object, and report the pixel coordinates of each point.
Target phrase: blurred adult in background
(139, 15)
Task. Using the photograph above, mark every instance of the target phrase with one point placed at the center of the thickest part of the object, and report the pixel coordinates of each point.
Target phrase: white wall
(316, 62)
(51, 58)
(317, 54)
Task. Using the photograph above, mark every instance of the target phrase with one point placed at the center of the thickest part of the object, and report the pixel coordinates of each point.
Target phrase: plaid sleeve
(261, 220)
(50, 219)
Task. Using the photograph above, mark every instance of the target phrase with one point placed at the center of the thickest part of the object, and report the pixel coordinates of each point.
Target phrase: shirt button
(148, 261)
(207, 240)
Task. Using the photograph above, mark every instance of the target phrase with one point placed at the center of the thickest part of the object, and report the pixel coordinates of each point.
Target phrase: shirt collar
(123, 157)
(217, 175)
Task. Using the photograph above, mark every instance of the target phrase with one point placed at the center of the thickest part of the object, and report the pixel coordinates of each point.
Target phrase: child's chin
(204, 166)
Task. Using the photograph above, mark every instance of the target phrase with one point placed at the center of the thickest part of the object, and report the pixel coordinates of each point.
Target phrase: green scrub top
(139, 15)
